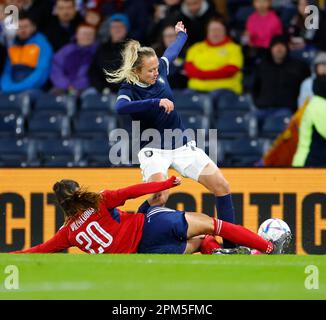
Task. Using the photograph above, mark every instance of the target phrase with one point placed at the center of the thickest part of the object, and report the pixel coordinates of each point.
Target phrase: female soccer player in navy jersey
(145, 94)
(95, 225)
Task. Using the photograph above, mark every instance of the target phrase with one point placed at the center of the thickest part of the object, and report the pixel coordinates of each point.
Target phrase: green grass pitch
(74, 276)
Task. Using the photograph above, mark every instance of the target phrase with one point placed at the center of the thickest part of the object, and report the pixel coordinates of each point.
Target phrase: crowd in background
(259, 47)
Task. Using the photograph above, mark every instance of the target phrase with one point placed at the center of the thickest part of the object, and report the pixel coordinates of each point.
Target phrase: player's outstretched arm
(172, 52)
(118, 197)
(57, 243)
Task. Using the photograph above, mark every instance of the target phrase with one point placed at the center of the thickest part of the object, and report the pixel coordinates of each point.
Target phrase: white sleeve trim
(123, 96)
(167, 64)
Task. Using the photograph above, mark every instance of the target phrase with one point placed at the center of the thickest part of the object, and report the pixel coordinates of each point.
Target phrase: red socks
(209, 244)
(241, 236)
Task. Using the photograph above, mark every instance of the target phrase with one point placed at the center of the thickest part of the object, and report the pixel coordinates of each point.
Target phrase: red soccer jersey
(108, 230)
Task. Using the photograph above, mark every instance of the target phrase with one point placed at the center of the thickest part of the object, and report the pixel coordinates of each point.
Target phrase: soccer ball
(273, 229)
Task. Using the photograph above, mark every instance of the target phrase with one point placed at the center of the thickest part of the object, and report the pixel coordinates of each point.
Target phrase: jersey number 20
(91, 236)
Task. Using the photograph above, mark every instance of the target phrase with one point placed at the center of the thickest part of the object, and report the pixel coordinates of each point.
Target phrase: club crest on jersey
(148, 153)
(160, 79)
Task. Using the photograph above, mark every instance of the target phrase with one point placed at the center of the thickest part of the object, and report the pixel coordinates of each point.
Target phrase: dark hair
(85, 25)
(73, 199)
(220, 20)
(25, 15)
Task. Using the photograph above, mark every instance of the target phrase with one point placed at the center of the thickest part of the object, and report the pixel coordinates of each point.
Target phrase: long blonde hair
(132, 57)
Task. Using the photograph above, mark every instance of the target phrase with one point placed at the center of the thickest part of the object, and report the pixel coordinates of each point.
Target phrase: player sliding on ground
(95, 225)
(146, 96)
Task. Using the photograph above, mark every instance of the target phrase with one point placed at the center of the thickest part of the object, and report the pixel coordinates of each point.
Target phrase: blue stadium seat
(58, 152)
(306, 56)
(94, 124)
(235, 125)
(11, 124)
(48, 124)
(195, 121)
(95, 152)
(228, 101)
(274, 125)
(194, 103)
(241, 152)
(15, 103)
(15, 152)
(62, 104)
(98, 102)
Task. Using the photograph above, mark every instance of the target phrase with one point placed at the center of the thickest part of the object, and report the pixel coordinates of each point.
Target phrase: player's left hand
(179, 27)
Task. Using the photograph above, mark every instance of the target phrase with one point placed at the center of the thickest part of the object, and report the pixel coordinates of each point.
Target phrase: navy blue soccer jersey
(142, 101)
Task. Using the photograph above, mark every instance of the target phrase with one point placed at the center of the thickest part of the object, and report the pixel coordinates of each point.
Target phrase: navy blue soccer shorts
(164, 231)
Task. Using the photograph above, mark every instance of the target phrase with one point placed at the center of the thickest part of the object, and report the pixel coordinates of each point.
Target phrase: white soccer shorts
(188, 160)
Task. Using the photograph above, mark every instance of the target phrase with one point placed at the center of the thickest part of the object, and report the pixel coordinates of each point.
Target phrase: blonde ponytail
(131, 60)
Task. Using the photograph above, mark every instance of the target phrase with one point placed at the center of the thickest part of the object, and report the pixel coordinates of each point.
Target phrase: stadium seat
(195, 103)
(90, 124)
(195, 121)
(11, 124)
(18, 104)
(274, 125)
(228, 101)
(235, 125)
(98, 102)
(62, 104)
(58, 152)
(48, 124)
(15, 152)
(241, 152)
(306, 56)
(95, 152)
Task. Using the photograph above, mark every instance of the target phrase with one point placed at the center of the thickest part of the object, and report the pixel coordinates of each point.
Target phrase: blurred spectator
(318, 68)
(262, 25)
(177, 77)
(277, 80)
(215, 63)
(312, 131)
(93, 17)
(300, 36)
(40, 11)
(71, 63)
(195, 15)
(62, 26)
(104, 35)
(138, 12)
(108, 55)
(29, 59)
(162, 15)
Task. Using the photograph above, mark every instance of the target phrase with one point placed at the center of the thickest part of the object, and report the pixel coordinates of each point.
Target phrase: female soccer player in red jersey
(95, 225)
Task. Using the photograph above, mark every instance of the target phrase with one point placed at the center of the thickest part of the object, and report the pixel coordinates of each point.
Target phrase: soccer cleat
(281, 245)
(238, 250)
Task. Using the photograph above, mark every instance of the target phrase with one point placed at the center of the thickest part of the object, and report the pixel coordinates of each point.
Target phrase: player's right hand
(167, 104)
